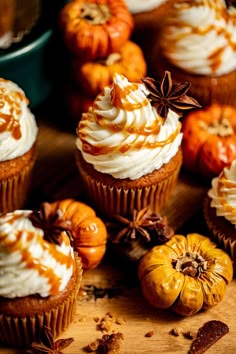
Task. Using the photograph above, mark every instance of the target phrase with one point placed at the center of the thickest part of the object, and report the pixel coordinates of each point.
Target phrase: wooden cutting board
(113, 287)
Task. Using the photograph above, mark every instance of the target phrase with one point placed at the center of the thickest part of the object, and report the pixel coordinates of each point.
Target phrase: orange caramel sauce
(223, 182)
(103, 150)
(43, 270)
(9, 122)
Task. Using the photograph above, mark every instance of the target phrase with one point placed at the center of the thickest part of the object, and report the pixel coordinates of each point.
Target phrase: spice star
(165, 95)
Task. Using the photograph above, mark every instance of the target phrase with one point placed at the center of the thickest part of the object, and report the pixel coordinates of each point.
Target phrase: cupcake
(7, 16)
(40, 276)
(148, 14)
(220, 210)
(17, 18)
(197, 43)
(128, 144)
(18, 135)
(27, 15)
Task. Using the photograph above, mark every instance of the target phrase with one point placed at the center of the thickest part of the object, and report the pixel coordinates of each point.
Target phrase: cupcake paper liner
(22, 331)
(14, 190)
(111, 200)
(222, 231)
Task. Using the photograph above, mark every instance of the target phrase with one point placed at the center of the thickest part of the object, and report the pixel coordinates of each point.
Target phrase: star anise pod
(165, 95)
(48, 345)
(143, 225)
(49, 220)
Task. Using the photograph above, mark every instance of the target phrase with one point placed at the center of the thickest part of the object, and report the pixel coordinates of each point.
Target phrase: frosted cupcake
(40, 276)
(128, 146)
(197, 43)
(18, 135)
(220, 210)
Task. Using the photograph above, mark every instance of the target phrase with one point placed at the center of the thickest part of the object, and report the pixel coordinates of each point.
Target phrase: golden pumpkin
(88, 231)
(186, 274)
(95, 28)
(93, 76)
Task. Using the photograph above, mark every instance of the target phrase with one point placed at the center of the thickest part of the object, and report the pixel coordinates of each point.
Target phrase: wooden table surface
(113, 286)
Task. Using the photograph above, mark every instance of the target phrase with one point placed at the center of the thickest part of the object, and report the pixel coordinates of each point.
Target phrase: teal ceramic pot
(29, 67)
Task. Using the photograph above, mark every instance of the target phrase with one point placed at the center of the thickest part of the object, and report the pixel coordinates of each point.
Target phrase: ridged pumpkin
(88, 231)
(186, 274)
(95, 28)
(209, 139)
(93, 76)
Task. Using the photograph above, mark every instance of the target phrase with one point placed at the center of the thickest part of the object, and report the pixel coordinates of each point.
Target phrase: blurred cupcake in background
(18, 135)
(17, 18)
(197, 43)
(7, 17)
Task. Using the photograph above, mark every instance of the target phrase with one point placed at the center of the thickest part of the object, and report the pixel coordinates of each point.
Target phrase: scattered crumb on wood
(176, 331)
(149, 334)
(108, 344)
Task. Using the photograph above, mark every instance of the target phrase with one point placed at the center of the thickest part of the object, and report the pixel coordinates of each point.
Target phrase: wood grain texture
(113, 286)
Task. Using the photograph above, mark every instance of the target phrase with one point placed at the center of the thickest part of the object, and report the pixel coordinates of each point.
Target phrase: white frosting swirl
(137, 6)
(223, 193)
(18, 129)
(29, 264)
(200, 37)
(122, 134)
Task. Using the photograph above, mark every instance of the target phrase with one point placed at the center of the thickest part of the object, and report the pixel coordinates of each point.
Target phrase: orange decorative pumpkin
(209, 139)
(88, 231)
(93, 76)
(95, 28)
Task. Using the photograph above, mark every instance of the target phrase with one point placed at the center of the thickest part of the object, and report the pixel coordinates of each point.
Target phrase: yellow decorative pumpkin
(93, 76)
(186, 274)
(88, 231)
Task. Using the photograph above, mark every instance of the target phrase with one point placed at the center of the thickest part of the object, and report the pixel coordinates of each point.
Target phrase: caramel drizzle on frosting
(103, 149)
(10, 122)
(215, 58)
(32, 263)
(222, 183)
(119, 97)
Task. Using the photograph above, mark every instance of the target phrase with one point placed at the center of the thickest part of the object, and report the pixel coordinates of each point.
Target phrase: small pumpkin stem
(222, 127)
(190, 264)
(95, 14)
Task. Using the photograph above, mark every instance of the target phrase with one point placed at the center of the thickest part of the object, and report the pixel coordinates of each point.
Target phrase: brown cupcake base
(205, 89)
(112, 196)
(22, 320)
(15, 179)
(222, 231)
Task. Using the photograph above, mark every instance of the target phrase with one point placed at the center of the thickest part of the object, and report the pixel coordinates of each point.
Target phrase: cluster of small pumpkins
(97, 35)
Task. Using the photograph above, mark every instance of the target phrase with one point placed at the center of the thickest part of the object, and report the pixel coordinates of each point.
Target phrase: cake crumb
(106, 323)
(189, 334)
(176, 331)
(108, 344)
(120, 320)
(149, 334)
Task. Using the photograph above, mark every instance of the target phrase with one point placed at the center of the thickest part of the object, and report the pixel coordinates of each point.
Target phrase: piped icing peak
(123, 94)
(29, 264)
